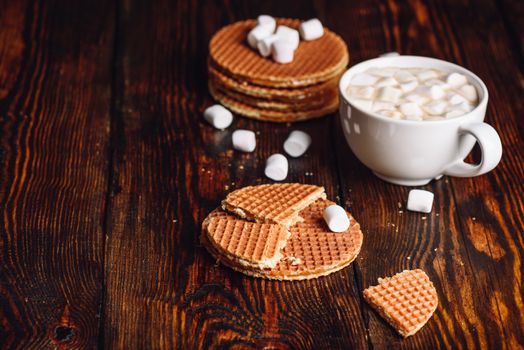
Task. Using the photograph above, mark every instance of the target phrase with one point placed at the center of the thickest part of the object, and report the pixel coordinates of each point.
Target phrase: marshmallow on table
(288, 34)
(420, 200)
(276, 167)
(244, 140)
(389, 94)
(264, 45)
(456, 80)
(282, 51)
(363, 79)
(268, 22)
(411, 111)
(311, 29)
(336, 218)
(297, 143)
(256, 34)
(218, 116)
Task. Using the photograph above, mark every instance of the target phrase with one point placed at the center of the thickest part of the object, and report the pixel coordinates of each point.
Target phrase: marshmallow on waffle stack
(260, 88)
(308, 250)
(406, 300)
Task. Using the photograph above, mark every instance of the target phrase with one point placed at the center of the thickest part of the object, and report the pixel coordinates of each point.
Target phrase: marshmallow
(389, 54)
(387, 82)
(411, 111)
(389, 94)
(409, 86)
(288, 34)
(426, 75)
(390, 113)
(256, 34)
(434, 92)
(362, 104)
(435, 107)
(282, 51)
(267, 22)
(456, 80)
(420, 200)
(381, 105)
(264, 45)
(336, 218)
(464, 106)
(297, 143)
(456, 99)
(363, 79)
(437, 82)
(403, 76)
(311, 29)
(276, 167)
(469, 92)
(244, 140)
(365, 92)
(218, 116)
(455, 113)
(416, 98)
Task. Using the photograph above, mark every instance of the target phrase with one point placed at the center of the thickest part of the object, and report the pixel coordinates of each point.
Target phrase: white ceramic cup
(412, 153)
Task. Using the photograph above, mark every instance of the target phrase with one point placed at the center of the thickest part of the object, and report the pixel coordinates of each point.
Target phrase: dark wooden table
(107, 169)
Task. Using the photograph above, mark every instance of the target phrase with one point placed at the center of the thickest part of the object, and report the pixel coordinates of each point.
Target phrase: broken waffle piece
(276, 203)
(406, 301)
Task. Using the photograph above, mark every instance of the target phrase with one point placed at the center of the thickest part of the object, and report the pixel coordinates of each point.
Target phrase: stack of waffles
(277, 232)
(260, 88)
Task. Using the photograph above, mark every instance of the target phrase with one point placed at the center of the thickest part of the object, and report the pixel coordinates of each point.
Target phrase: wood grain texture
(107, 170)
(54, 107)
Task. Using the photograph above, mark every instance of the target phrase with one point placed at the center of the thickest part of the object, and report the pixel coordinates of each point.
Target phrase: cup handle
(490, 146)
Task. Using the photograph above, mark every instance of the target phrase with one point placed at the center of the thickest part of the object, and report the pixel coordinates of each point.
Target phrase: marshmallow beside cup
(218, 116)
(244, 140)
(297, 143)
(336, 218)
(420, 200)
(276, 167)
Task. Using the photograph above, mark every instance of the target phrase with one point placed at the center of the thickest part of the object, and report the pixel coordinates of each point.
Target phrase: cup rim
(453, 66)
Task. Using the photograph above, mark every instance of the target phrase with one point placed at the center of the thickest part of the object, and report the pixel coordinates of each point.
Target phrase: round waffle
(311, 250)
(272, 115)
(314, 61)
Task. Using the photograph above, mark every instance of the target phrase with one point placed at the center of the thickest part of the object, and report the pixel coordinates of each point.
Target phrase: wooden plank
(54, 117)
(472, 312)
(170, 170)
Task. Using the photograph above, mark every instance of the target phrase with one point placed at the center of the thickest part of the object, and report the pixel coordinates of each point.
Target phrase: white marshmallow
(336, 218)
(365, 92)
(411, 111)
(464, 106)
(437, 82)
(288, 34)
(455, 113)
(311, 29)
(416, 98)
(264, 45)
(365, 105)
(218, 116)
(387, 82)
(389, 54)
(420, 200)
(455, 99)
(256, 34)
(409, 86)
(282, 51)
(456, 80)
(381, 105)
(435, 107)
(403, 76)
(363, 79)
(433, 92)
(297, 143)
(244, 140)
(389, 94)
(426, 75)
(469, 92)
(276, 167)
(393, 114)
(268, 22)
(383, 72)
